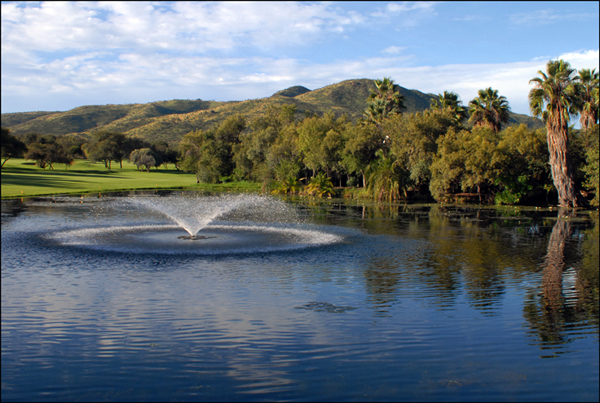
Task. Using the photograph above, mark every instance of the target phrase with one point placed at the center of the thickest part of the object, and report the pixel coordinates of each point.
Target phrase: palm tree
(587, 89)
(320, 186)
(383, 102)
(489, 109)
(554, 99)
(386, 178)
(288, 185)
(450, 101)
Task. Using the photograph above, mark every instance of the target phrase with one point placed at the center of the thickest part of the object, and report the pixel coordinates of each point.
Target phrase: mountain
(293, 91)
(170, 120)
(350, 96)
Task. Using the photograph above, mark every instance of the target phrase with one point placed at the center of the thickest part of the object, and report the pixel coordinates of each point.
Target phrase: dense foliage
(12, 147)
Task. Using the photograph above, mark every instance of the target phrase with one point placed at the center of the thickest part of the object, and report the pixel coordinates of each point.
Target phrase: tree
(284, 155)
(229, 131)
(46, 150)
(120, 148)
(164, 155)
(72, 145)
(60, 155)
(12, 147)
(99, 149)
(466, 160)
(386, 178)
(553, 98)
(228, 135)
(591, 166)
(384, 101)
(287, 185)
(362, 142)
(32, 137)
(251, 153)
(413, 141)
(143, 157)
(204, 155)
(525, 173)
(109, 146)
(40, 153)
(587, 98)
(320, 186)
(321, 141)
(489, 109)
(449, 101)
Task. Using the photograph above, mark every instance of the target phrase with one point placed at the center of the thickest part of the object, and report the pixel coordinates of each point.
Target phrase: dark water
(349, 302)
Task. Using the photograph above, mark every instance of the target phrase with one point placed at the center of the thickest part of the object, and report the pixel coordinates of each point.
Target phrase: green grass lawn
(24, 178)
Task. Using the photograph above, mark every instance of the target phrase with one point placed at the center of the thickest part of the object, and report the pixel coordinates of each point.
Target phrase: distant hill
(293, 91)
(170, 120)
(13, 119)
(350, 97)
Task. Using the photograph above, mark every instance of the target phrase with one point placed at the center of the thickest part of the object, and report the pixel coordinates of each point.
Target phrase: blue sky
(60, 55)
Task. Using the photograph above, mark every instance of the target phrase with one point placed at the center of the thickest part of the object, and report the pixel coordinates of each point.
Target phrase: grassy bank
(23, 178)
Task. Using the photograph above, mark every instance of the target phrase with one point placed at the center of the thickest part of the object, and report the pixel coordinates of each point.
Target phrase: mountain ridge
(170, 120)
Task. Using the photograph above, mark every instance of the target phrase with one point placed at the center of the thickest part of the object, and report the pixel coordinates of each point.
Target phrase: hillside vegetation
(170, 120)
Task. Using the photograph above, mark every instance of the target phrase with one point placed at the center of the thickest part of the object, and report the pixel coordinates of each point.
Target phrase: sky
(60, 55)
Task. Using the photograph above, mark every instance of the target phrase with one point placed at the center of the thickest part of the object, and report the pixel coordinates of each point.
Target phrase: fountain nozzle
(194, 237)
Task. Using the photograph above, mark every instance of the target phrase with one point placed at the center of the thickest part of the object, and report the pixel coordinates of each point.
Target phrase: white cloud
(405, 14)
(543, 17)
(393, 50)
(582, 59)
(195, 27)
(409, 6)
(473, 17)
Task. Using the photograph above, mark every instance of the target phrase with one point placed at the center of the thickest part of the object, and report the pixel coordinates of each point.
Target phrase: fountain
(230, 223)
(196, 213)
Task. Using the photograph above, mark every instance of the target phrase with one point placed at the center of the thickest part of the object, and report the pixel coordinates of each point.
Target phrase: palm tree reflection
(562, 305)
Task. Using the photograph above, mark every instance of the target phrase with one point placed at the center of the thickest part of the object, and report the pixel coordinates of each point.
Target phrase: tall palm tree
(489, 109)
(383, 102)
(587, 89)
(554, 99)
(385, 178)
(450, 101)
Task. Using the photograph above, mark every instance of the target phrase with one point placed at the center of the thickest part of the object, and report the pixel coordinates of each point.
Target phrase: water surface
(341, 301)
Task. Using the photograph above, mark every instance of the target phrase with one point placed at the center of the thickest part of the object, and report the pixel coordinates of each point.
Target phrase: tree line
(446, 152)
(104, 146)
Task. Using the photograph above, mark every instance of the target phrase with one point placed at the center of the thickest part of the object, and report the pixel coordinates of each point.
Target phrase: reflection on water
(568, 302)
(411, 302)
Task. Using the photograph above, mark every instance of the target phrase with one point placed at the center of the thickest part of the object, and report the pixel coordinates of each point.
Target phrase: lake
(296, 299)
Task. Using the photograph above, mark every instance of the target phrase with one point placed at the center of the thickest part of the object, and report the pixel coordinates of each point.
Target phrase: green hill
(170, 120)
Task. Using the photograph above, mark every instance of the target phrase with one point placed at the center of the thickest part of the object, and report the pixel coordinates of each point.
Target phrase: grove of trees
(446, 152)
